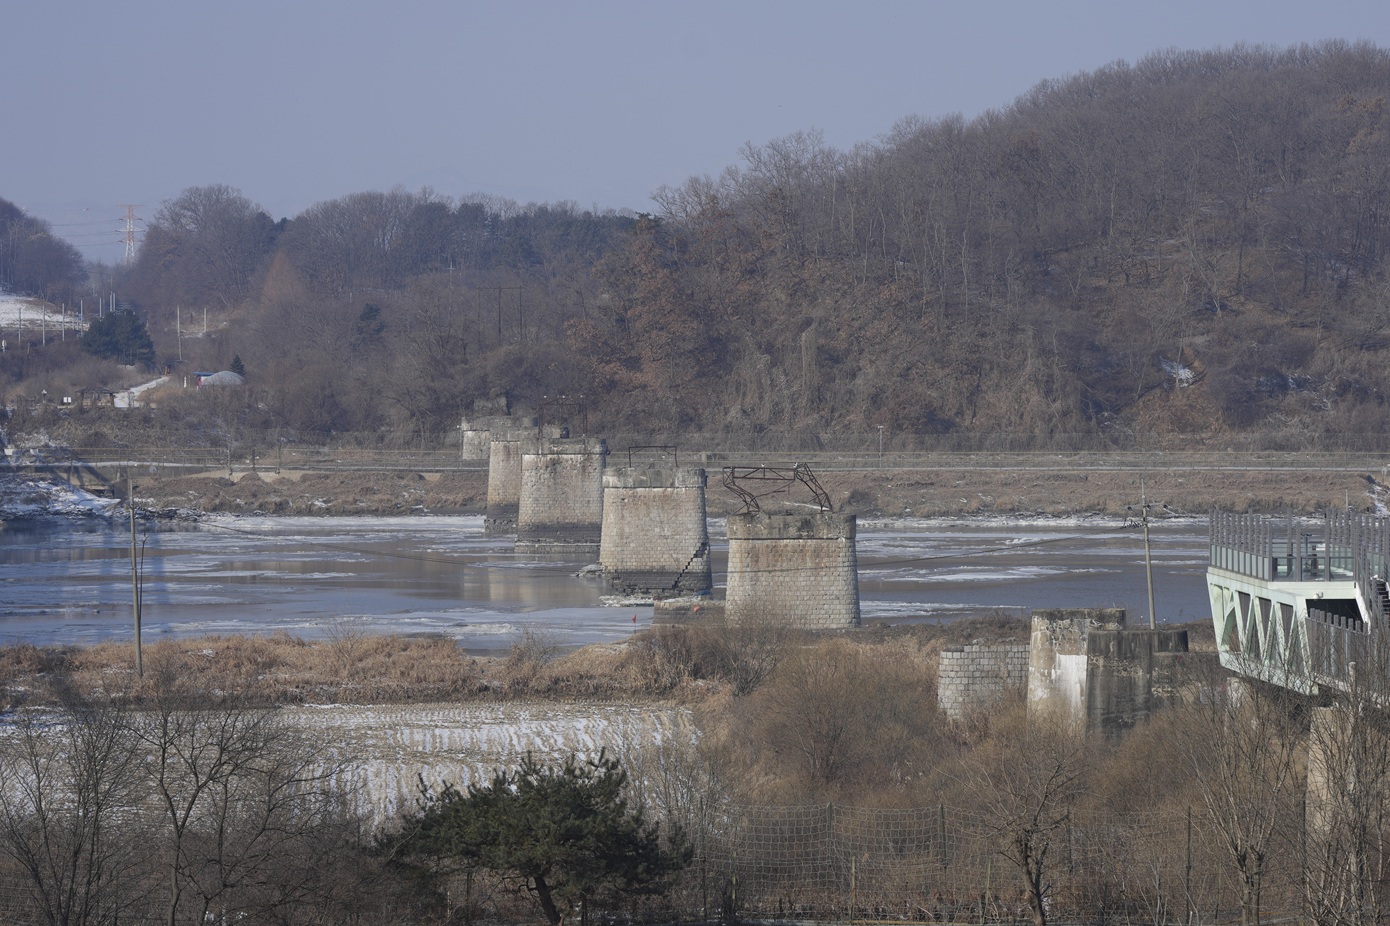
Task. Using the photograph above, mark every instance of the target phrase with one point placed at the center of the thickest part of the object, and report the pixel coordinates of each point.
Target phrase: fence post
(831, 855)
(984, 896)
(941, 829)
(1187, 870)
(851, 891)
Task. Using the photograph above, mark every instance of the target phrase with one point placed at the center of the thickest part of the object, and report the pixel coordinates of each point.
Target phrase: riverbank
(982, 490)
(668, 664)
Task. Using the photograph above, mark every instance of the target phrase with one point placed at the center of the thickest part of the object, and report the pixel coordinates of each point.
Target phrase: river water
(71, 583)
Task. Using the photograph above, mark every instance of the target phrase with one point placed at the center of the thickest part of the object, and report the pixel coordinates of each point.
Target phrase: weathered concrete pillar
(1327, 730)
(798, 570)
(560, 509)
(1084, 665)
(655, 541)
(1346, 758)
(504, 478)
(476, 433)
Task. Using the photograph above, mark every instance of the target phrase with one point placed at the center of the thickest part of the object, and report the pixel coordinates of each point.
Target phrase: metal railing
(1288, 549)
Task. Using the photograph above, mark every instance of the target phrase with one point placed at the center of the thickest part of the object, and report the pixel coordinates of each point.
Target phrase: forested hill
(1191, 245)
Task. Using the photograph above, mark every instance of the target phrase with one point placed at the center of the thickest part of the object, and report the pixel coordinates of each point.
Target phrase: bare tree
(1244, 743)
(68, 786)
(1347, 840)
(831, 718)
(236, 791)
(204, 246)
(1027, 778)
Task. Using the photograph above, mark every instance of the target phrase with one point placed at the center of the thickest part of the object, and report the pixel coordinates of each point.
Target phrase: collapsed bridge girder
(741, 480)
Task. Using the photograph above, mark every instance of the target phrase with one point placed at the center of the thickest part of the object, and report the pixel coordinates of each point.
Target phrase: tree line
(35, 260)
(1190, 244)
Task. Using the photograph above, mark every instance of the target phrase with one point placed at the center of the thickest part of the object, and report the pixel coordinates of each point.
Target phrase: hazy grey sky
(298, 101)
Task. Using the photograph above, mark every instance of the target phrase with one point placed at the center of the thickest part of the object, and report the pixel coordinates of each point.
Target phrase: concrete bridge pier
(560, 508)
(506, 449)
(1085, 665)
(476, 434)
(797, 570)
(655, 541)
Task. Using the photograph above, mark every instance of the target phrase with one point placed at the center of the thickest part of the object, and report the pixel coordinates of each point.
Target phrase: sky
(599, 102)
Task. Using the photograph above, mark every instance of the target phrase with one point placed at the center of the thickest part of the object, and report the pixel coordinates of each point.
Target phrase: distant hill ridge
(1191, 244)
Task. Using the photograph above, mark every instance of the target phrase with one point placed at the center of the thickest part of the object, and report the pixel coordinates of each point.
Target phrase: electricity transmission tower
(130, 233)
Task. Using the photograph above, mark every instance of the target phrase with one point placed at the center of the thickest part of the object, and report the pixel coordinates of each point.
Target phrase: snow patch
(127, 397)
(1182, 374)
(24, 497)
(35, 315)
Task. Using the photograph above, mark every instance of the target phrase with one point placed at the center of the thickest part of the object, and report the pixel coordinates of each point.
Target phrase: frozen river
(441, 575)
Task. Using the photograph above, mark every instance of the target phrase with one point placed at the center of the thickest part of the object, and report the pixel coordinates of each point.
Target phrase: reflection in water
(441, 575)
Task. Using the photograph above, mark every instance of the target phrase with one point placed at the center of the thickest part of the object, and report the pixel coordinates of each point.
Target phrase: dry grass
(682, 664)
(320, 493)
(991, 491)
(275, 669)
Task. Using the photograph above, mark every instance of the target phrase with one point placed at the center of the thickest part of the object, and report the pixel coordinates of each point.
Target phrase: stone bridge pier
(792, 570)
(476, 434)
(560, 508)
(655, 541)
(506, 449)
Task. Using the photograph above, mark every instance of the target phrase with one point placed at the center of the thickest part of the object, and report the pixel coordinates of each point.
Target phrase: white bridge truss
(1298, 603)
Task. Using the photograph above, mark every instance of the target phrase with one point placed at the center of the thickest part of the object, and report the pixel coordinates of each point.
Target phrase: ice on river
(71, 583)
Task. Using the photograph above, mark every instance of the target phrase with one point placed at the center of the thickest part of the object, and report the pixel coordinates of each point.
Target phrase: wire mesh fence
(830, 863)
(951, 865)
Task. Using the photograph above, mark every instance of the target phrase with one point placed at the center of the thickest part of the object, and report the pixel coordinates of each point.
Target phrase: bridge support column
(655, 541)
(1086, 666)
(798, 571)
(476, 434)
(560, 509)
(506, 449)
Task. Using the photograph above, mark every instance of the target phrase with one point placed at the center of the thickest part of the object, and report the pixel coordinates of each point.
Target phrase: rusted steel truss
(745, 481)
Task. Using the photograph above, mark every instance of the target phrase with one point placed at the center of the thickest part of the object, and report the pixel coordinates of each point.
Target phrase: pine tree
(564, 833)
(120, 336)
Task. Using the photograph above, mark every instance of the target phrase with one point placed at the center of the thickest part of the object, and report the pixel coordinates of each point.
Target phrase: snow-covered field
(384, 750)
(36, 315)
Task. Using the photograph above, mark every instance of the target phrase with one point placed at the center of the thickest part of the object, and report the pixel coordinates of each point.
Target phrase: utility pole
(134, 571)
(1148, 558)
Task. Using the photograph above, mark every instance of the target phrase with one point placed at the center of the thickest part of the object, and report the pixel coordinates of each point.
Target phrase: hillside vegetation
(1189, 247)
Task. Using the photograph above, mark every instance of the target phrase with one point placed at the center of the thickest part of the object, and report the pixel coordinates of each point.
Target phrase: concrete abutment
(1085, 665)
